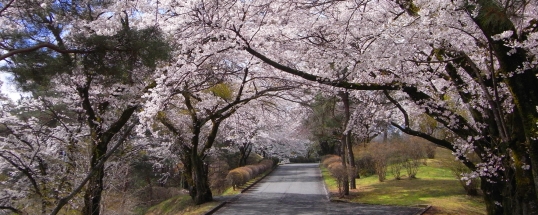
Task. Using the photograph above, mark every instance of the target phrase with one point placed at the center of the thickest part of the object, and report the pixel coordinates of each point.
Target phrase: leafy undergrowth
(435, 185)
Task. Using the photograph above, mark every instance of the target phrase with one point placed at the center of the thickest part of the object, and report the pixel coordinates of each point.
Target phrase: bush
(396, 166)
(276, 160)
(411, 166)
(334, 164)
(254, 169)
(328, 159)
(429, 149)
(413, 153)
(241, 175)
(302, 159)
(380, 155)
(365, 165)
(218, 171)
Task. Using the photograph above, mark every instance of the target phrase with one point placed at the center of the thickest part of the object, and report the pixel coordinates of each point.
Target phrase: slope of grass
(180, 205)
(435, 185)
(183, 204)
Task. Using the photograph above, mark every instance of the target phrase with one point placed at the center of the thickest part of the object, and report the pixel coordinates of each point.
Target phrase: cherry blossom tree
(192, 100)
(479, 53)
(101, 82)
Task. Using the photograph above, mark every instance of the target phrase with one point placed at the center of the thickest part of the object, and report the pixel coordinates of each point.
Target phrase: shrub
(365, 165)
(411, 166)
(338, 171)
(246, 172)
(302, 159)
(267, 164)
(429, 149)
(413, 154)
(334, 164)
(218, 171)
(328, 159)
(380, 155)
(276, 160)
(235, 178)
(396, 166)
(241, 175)
(255, 169)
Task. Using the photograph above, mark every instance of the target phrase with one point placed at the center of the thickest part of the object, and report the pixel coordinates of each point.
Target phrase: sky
(8, 88)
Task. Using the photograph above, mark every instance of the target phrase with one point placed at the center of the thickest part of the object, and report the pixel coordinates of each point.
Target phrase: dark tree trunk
(492, 196)
(347, 141)
(199, 188)
(244, 152)
(92, 196)
(345, 183)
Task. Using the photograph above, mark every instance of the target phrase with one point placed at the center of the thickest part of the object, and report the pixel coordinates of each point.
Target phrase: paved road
(298, 189)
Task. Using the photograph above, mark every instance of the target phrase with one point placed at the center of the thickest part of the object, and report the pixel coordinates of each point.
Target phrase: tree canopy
(181, 69)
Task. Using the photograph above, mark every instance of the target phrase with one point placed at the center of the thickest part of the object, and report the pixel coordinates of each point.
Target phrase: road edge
(216, 208)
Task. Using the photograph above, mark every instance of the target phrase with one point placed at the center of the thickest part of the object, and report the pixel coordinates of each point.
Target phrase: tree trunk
(492, 196)
(345, 183)
(347, 141)
(244, 152)
(351, 160)
(199, 189)
(92, 196)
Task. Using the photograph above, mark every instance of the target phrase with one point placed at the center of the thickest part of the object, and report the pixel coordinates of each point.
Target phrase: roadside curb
(216, 208)
(251, 185)
(327, 193)
(426, 208)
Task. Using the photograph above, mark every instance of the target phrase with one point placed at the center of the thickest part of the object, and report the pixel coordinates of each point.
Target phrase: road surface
(298, 189)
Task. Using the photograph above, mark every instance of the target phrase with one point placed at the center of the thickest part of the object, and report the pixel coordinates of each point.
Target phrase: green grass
(435, 185)
(181, 204)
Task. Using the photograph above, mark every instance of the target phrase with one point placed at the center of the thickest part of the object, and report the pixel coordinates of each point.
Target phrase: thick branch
(116, 126)
(40, 46)
(12, 209)
(406, 116)
(321, 80)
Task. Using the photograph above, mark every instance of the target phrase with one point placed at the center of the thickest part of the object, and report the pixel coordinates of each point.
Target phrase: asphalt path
(298, 189)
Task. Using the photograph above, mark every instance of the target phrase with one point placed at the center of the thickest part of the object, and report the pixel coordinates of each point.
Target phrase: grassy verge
(435, 185)
(183, 205)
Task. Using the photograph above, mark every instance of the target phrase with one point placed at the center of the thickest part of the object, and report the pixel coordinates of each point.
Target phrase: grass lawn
(435, 185)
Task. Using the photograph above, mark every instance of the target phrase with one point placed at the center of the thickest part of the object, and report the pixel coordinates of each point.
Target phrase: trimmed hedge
(241, 175)
(302, 159)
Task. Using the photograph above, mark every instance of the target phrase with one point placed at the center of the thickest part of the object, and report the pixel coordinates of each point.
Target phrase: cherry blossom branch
(7, 5)
(472, 69)
(435, 61)
(322, 80)
(22, 168)
(406, 116)
(14, 210)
